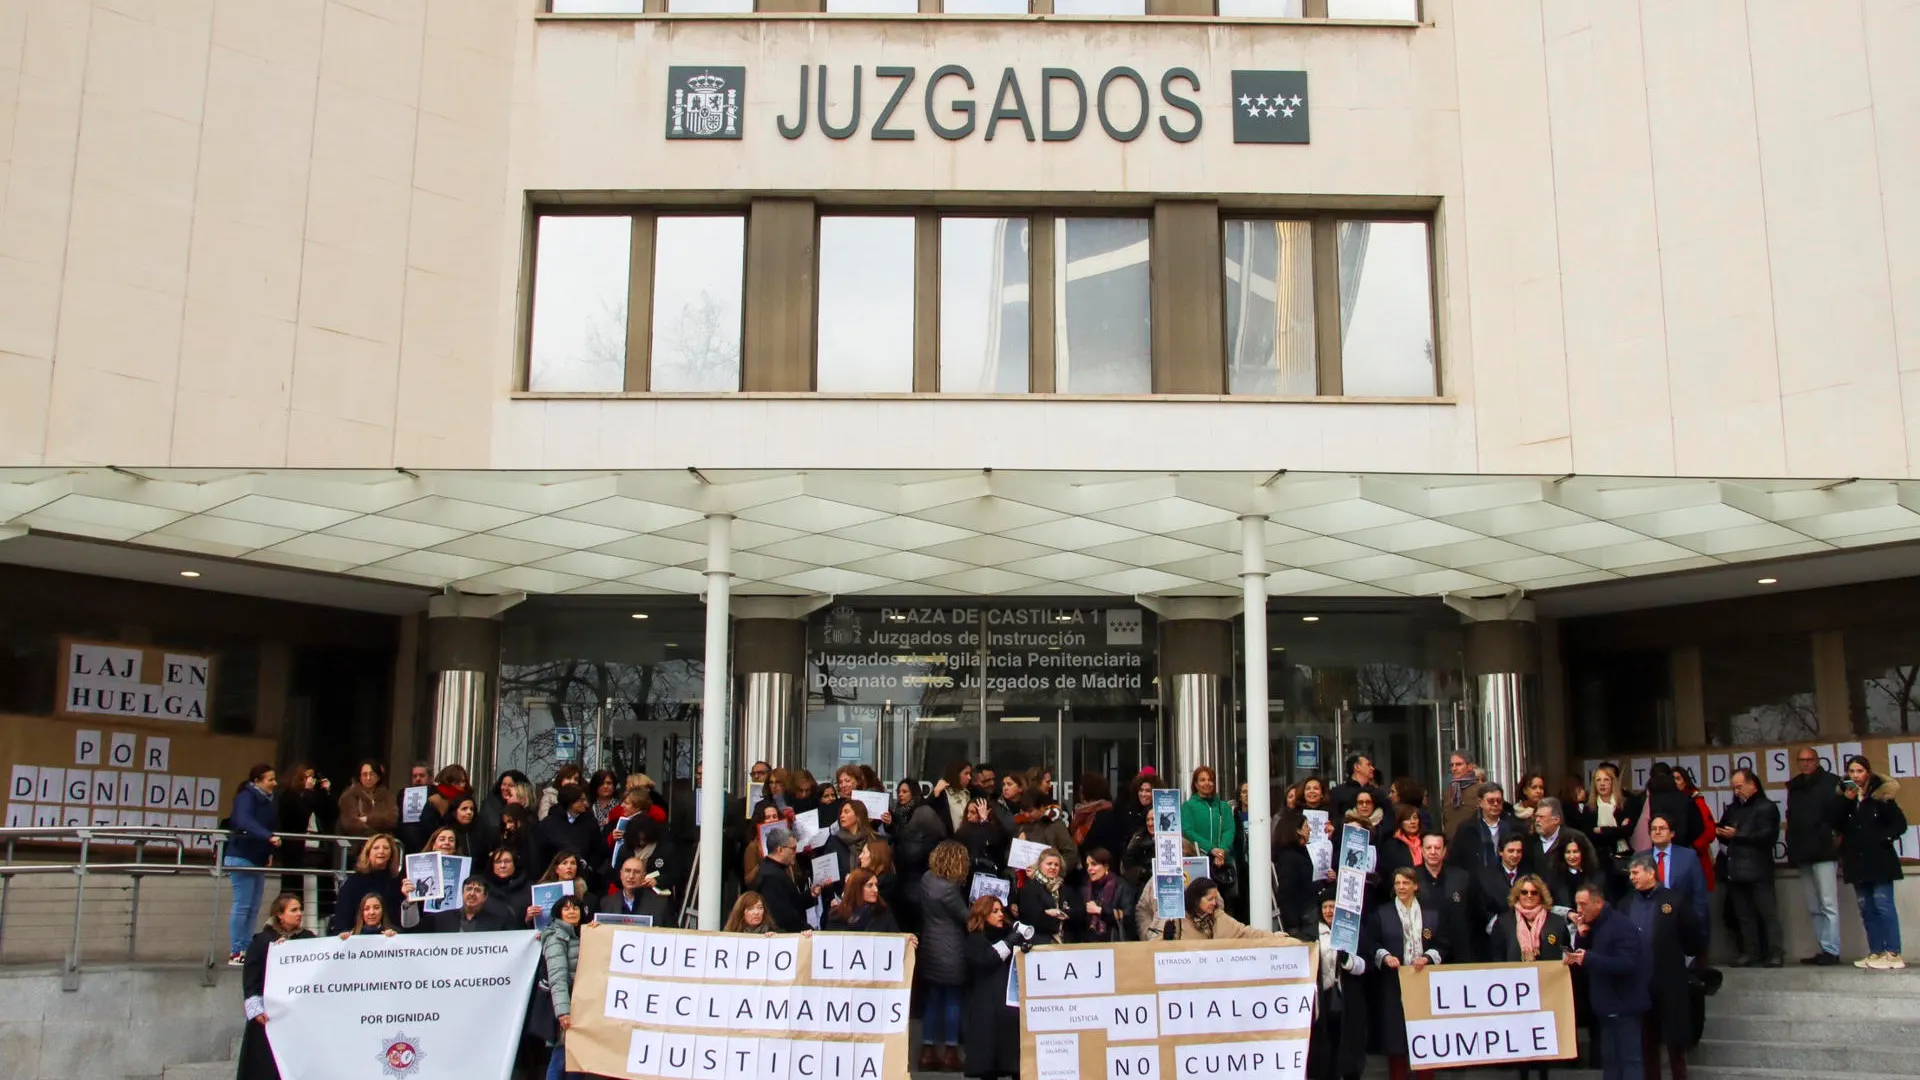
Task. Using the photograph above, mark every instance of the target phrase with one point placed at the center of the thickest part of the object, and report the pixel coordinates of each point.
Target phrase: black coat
(1504, 948)
(256, 1053)
(513, 895)
(1116, 915)
(346, 907)
(990, 1031)
(1453, 895)
(1296, 894)
(1671, 932)
(870, 919)
(579, 837)
(1338, 1045)
(941, 958)
(1563, 883)
(1111, 829)
(1387, 937)
(645, 902)
(1756, 826)
(1617, 970)
(1816, 811)
(1467, 847)
(1345, 794)
(294, 810)
(786, 904)
(1491, 890)
(1873, 825)
(1032, 901)
(1676, 806)
(492, 917)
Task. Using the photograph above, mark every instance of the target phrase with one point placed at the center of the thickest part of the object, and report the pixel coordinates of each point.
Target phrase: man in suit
(1361, 776)
(1476, 844)
(474, 915)
(1672, 934)
(1494, 884)
(1549, 825)
(1618, 980)
(1450, 890)
(1677, 868)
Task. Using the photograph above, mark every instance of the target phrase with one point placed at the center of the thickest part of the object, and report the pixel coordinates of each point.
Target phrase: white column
(1253, 586)
(714, 717)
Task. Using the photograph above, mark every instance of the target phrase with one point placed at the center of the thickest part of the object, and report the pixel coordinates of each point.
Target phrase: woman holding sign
(1207, 918)
(1338, 1047)
(1410, 933)
(560, 950)
(283, 924)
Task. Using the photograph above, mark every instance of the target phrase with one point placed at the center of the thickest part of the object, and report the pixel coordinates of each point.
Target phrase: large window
(985, 309)
(1269, 301)
(579, 339)
(1099, 7)
(866, 312)
(1102, 326)
(698, 262)
(1386, 309)
(1393, 10)
(636, 302)
(1329, 306)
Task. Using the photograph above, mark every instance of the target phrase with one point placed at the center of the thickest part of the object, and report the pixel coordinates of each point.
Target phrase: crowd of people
(1612, 882)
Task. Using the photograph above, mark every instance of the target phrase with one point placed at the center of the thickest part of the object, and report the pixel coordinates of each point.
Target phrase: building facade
(882, 382)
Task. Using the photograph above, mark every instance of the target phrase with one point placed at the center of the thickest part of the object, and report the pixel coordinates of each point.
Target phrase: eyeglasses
(1529, 892)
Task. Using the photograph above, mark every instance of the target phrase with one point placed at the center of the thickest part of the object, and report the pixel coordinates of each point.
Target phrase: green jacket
(1209, 823)
(560, 943)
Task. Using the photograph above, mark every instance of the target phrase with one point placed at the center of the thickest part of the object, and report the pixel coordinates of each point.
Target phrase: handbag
(540, 1022)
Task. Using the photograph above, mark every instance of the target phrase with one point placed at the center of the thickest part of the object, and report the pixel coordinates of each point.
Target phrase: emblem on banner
(401, 1056)
(704, 103)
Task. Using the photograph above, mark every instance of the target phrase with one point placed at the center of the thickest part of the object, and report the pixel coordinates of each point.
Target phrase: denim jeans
(1822, 885)
(557, 1064)
(1879, 918)
(941, 1024)
(248, 885)
(1620, 1047)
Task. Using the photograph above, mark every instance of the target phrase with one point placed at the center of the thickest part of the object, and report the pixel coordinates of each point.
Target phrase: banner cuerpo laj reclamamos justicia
(410, 1007)
(685, 1003)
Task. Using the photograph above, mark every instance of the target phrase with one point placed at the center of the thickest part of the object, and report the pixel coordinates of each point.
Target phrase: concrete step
(1878, 1056)
(1725, 1025)
(1799, 979)
(1865, 1002)
(215, 1070)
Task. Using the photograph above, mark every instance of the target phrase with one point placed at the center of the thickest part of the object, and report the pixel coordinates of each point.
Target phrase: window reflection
(1102, 340)
(866, 304)
(1883, 668)
(1402, 10)
(697, 268)
(579, 338)
(985, 7)
(1269, 296)
(1759, 690)
(710, 7)
(872, 7)
(1262, 9)
(1099, 7)
(1386, 309)
(983, 305)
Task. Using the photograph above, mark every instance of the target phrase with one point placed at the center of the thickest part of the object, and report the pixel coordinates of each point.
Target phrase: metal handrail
(140, 839)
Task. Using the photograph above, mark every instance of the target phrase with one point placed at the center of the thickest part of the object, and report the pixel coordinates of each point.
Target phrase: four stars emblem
(1279, 105)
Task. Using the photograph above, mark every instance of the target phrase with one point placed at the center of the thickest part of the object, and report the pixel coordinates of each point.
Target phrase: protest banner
(1185, 1009)
(679, 1003)
(1350, 890)
(1477, 1014)
(1169, 880)
(426, 1008)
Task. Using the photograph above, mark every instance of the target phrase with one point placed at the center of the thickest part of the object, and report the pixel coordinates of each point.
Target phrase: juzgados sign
(1055, 104)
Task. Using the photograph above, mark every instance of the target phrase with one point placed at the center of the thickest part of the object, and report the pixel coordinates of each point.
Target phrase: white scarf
(1410, 931)
(1605, 810)
(1329, 961)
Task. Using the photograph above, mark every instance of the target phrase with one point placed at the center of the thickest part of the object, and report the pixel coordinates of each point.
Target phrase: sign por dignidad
(431, 1007)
